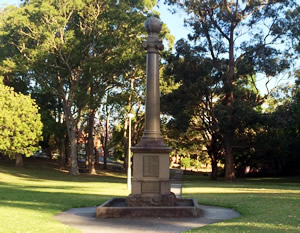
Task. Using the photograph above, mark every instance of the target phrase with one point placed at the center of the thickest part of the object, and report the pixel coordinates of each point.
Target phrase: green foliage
(185, 162)
(195, 163)
(277, 140)
(233, 42)
(193, 128)
(292, 29)
(75, 50)
(51, 111)
(20, 123)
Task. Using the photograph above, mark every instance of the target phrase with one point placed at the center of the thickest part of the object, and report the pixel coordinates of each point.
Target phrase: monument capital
(152, 45)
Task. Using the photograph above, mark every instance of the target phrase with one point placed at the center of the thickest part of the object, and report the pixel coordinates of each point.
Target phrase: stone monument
(150, 195)
(150, 183)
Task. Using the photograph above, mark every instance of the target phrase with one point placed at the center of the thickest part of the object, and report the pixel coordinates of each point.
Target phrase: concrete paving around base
(84, 219)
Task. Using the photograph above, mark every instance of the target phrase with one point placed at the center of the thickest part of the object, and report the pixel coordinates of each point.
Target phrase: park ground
(31, 196)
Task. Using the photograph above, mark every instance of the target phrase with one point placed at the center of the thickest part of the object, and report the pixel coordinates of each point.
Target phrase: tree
(192, 103)
(70, 46)
(221, 31)
(277, 142)
(20, 124)
(54, 130)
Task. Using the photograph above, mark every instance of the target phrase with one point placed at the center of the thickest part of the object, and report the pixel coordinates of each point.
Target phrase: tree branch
(239, 58)
(257, 8)
(227, 7)
(206, 31)
(210, 13)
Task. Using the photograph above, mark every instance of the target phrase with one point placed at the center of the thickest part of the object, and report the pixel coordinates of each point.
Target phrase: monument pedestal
(150, 183)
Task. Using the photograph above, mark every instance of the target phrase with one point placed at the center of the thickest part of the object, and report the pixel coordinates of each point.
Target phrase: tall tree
(192, 103)
(221, 31)
(66, 45)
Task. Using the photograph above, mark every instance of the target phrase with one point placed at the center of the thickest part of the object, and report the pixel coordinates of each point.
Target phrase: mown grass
(266, 204)
(30, 197)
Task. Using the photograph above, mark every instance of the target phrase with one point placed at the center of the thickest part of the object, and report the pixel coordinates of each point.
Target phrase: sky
(174, 21)
(11, 2)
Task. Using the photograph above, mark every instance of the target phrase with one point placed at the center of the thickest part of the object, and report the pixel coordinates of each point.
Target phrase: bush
(185, 162)
(20, 123)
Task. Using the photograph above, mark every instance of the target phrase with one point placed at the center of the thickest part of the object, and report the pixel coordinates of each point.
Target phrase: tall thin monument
(150, 183)
(150, 194)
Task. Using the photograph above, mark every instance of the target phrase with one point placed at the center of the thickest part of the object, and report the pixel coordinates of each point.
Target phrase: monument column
(150, 183)
(152, 45)
(150, 194)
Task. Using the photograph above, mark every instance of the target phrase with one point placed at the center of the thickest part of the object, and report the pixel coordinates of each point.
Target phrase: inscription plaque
(151, 166)
(150, 187)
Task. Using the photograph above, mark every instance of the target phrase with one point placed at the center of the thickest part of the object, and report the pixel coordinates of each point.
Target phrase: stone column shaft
(152, 125)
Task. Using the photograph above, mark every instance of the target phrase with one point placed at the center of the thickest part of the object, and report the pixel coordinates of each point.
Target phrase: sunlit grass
(30, 197)
(266, 204)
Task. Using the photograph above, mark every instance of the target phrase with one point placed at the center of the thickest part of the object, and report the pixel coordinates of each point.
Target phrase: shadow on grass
(25, 198)
(292, 183)
(36, 170)
(41, 187)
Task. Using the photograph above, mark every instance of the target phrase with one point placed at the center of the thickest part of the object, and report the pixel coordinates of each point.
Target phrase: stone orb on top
(153, 26)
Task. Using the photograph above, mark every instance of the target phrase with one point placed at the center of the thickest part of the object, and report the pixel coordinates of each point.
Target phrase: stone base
(141, 200)
(151, 145)
(117, 208)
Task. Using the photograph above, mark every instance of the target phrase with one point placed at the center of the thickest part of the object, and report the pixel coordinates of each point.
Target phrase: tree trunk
(228, 140)
(229, 162)
(214, 167)
(71, 129)
(90, 144)
(92, 169)
(229, 128)
(125, 143)
(61, 138)
(87, 155)
(105, 158)
(19, 161)
(97, 154)
(62, 153)
(106, 149)
(67, 152)
(73, 141)
(213, 152)
(49, 152)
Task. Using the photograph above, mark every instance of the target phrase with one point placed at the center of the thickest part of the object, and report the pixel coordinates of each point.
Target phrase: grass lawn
(30, 197)
(266, 204)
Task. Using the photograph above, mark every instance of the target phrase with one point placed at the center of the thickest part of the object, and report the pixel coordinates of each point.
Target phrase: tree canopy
(84, 64)
(239, 38)
(77, 50)
(20, 123)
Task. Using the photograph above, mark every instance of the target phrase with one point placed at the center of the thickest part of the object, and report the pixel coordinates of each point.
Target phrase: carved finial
(153, 26)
